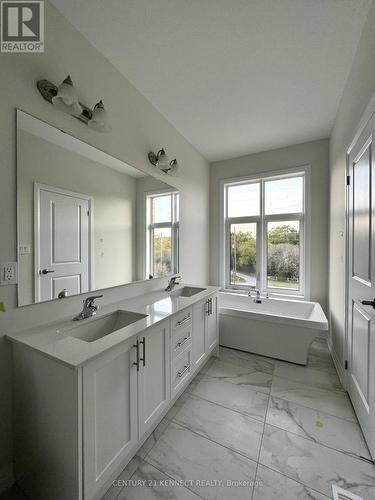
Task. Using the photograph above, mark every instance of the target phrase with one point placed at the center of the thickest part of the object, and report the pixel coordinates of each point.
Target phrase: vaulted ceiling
(233, 76)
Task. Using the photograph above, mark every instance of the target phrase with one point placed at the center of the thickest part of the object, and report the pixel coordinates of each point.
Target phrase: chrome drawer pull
(186, 318)
(186, 368)
(182, 342)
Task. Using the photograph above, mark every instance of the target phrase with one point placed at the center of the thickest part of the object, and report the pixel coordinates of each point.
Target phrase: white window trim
(175, 229)
(305, 243)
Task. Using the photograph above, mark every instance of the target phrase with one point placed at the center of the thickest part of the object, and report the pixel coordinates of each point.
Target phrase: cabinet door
(211, 324)
(154, 375)
(109, 415)
(199, 333)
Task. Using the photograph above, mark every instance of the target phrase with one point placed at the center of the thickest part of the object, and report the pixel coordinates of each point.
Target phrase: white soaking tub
(278, 328)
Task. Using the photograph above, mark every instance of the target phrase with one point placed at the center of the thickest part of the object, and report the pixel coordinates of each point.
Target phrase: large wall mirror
(86, 220)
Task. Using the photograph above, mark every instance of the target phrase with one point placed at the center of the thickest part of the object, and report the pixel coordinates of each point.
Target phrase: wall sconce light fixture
(65, 98)
(161, 160)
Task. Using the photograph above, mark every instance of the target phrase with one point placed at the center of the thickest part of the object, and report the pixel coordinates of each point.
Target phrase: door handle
(136, 363)
(368, 303)
(143, 359)
(46, 271)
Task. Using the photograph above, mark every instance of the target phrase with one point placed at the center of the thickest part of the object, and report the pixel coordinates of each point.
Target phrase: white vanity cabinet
(153, 376)
(77, 425)
(124, 394)
(205, 329)
(109, 411)
(212, 329)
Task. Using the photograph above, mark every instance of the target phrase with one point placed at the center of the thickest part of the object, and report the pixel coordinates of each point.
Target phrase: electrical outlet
(8, 273)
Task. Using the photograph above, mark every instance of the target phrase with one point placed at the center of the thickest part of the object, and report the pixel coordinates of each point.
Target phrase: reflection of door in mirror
(62, 222)
(62, 251)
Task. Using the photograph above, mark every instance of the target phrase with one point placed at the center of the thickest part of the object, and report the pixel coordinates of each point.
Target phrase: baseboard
(6, 477)
(339, 368)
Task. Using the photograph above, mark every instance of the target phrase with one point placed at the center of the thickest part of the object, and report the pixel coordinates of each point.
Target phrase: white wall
(314, 154)
(114, 196)
(137, 128)
(358, 92)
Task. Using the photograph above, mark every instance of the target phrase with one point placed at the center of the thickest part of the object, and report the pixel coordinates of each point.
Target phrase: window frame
(261, 221)
(174, 225)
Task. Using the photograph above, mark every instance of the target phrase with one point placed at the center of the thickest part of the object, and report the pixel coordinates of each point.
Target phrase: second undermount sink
(97, 328)
(187, 291)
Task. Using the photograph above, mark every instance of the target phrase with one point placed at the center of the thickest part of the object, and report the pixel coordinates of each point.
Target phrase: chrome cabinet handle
(186, 318)
(368, 303)
(182, 342)
(136, 363)
(46, 271)
(209, 307)
(182, 372)
(143, 359)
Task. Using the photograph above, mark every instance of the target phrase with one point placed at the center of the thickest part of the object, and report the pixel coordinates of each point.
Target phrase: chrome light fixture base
(97, 119)
(169, 167)
(48, 90)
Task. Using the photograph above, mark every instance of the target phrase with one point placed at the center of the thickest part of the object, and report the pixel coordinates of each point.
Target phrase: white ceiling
(233, 76)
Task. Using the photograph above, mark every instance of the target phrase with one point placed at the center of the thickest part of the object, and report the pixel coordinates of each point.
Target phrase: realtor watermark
(186, 483)
(22, 26)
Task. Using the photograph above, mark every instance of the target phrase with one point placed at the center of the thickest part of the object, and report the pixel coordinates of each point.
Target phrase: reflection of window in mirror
(162, 234)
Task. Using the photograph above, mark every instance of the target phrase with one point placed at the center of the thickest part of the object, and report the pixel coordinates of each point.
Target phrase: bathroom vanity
(88, 393)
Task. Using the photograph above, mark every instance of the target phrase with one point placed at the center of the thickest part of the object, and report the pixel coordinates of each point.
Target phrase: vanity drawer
(181, 371)
(180, 340)
(182, 319)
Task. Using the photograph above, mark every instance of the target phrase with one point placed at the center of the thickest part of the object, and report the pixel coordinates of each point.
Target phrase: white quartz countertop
(55, 340)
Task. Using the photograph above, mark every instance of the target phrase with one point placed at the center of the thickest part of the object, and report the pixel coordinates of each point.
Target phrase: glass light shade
(163, 160)
(99, 120)
(66, 98)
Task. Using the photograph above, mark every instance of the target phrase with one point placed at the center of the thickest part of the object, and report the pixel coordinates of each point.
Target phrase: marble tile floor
(254, 428)
(288, 430)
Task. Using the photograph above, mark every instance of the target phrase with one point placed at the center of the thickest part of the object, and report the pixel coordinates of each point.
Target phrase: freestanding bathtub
(278, 328)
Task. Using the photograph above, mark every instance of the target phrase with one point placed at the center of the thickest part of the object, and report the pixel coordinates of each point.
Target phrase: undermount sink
(97, 328)
(187, 291)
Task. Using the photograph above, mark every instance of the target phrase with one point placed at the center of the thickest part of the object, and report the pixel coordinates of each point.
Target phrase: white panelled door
(62, 242)
(361, 296)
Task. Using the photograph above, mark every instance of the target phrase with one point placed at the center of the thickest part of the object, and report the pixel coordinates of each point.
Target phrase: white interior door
(361, 293)
(62, 242)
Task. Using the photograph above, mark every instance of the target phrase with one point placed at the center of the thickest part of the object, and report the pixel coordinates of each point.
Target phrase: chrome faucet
(89, 308)
(258, 297)
(172, 283)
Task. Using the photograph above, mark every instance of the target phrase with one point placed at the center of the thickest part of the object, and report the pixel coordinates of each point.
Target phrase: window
(162, 234)
(265, 233)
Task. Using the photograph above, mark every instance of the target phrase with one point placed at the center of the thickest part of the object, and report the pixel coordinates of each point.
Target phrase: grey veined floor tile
(337, 433)
(240, 376)
(270, 485)
(323, 375)
(184, 455)
(126, 474)
(247, 360)
(152, 439)
(235, 397)
(229, 428)
(332, 402)
(314, 465)
(148, 483)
